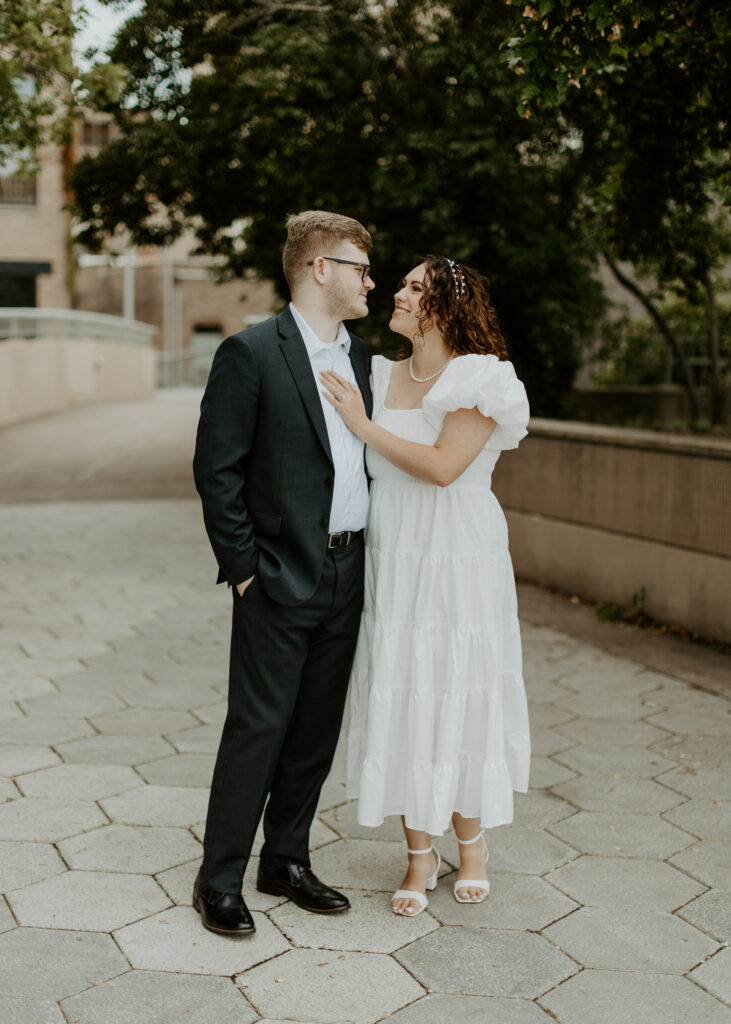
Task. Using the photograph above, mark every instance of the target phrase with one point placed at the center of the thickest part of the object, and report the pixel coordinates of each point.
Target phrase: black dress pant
(288, 679)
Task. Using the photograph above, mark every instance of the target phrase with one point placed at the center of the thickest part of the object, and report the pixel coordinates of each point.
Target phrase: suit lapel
(361, 375)
(295, 353)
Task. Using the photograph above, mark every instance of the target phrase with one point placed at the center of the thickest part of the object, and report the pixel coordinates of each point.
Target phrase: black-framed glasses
(364, 267)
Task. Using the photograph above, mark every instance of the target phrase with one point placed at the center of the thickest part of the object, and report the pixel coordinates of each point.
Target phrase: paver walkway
(611, 892)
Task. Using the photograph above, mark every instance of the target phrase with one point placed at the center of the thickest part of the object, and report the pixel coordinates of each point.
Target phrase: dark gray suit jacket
(262, 464)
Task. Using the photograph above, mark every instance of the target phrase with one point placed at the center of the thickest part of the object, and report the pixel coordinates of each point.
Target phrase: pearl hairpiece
(459, 284)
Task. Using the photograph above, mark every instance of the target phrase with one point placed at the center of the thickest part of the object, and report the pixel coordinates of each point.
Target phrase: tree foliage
(646, 89)
(36, 72)
(401, 114)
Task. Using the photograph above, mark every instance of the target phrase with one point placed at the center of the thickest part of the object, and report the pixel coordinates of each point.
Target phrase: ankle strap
(429, 850)
(466, 842)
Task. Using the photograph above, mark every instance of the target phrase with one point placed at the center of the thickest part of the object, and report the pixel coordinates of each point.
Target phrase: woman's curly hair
(456, 299)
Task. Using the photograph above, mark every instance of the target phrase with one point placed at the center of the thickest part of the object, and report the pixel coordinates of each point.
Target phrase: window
(18, 189)
(17, 291)
(95, 135)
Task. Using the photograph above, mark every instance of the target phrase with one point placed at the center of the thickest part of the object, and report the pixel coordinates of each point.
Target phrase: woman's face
(407, 303)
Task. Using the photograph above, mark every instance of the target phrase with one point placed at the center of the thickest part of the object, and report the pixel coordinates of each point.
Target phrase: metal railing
(21, 323)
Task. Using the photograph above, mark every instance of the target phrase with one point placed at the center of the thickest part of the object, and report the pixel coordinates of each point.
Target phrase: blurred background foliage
(529, 140)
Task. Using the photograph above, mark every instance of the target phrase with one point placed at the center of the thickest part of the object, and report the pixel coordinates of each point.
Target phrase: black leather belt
(342, 539)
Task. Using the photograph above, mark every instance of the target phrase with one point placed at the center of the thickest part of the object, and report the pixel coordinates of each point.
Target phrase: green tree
(401, 114)
(36, 72)
(646, 89)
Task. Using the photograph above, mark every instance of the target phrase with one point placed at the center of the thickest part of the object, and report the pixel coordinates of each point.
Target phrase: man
(285, 497)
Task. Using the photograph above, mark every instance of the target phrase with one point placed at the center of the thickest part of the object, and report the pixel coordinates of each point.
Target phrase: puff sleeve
(485, 382)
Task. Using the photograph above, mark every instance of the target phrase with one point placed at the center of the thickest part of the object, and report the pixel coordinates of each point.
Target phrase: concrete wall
(47, 375)
(605, 511)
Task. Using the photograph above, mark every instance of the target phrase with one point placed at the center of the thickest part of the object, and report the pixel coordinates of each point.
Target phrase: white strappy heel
(473, 883)
(412, 894)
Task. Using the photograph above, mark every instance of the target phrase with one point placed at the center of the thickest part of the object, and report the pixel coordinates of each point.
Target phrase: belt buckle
(341, 539)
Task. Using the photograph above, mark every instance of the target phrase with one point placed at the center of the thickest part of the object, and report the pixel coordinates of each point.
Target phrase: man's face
(346, 293)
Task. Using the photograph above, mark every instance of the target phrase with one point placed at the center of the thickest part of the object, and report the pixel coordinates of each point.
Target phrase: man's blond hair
(311, 233)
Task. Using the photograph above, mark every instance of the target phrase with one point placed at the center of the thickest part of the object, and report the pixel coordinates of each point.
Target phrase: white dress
(437, 719)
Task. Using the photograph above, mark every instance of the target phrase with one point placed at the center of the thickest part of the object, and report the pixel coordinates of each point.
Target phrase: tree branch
(666, 331)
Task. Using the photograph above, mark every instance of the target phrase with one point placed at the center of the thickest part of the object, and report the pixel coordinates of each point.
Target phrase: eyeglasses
(364, 267)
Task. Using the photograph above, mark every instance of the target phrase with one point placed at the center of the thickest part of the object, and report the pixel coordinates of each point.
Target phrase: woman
(438, 724)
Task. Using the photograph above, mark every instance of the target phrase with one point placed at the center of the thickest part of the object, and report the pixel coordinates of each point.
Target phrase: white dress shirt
(349, 509)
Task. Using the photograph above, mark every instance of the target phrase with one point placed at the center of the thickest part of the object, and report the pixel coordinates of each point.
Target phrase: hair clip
(459, 285)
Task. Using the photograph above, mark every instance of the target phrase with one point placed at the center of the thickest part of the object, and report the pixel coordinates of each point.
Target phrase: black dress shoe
(302, 886)
(222, 912)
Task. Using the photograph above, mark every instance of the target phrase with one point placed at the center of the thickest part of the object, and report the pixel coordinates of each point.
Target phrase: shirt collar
(312, 342)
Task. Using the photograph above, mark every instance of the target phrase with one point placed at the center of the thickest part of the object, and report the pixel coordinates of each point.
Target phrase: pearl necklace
(423, 380)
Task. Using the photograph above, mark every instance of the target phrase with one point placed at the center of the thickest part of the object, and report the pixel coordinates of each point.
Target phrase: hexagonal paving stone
(34, 669)
(609, 704)
(9, 710)
(614, 731)
(438, 1009)
(127, 750)
(361, 863)
(332, 794)
(514, 848)
(204, 739)
(8, 791)
(212, 714)
(607, 997)
(486, 962)
(611, 759)
(23, 863)
(202, 676)
(88, 901)
(7, 921)
(159, 805)
(545, 772)
(715, 975)
(545, 742)
(81, 780)
(158, 998)
(194, 770)
(177, 941)
(71, 961)
(93, 683)
(698, 714)
(515, 901)
(182, 697)
(547, 715)
(711, 912)
(136, 849)
(695, 751)
(707, 819)
(369, 927)
(631, 835)
(20, 688)
(543, 691)
(142, 722)
(49, 820)
(709, 860)
(71, 705)
(624, 940)
(617, 882)
(343, 819)
(608, 793)
(38, 729)
(20, 1010)
(199, 654)
(329, 987)
(536, 810)
(17, 760)
(707, 783)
